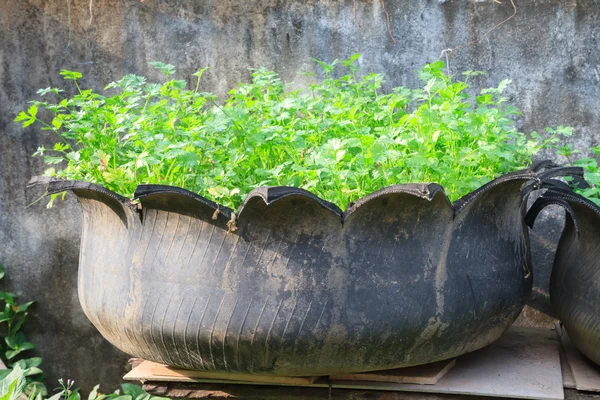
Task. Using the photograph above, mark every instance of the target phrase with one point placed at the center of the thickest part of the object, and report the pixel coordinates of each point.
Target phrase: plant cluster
(14, 385)
(590, 167)
(23, 377)
(12, 317)
(341, 138)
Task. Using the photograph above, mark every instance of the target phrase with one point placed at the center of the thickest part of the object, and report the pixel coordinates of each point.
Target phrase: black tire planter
(401, 278)
(575, 279)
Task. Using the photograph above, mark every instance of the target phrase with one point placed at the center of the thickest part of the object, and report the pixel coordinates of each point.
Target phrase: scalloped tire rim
(401, 278)
(575, 279)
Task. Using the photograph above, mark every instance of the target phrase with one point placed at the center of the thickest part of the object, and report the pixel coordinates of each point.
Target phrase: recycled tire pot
(575, 279)
(290, 285)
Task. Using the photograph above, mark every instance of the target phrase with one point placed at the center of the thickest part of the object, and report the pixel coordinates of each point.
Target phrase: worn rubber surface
(575, 280)
(401, 278)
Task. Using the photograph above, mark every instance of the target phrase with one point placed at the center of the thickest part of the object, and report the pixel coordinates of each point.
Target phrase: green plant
(12, 317)
(341, 138)
(67, 391)
(12, 387)
(23, 375)
(590, 167)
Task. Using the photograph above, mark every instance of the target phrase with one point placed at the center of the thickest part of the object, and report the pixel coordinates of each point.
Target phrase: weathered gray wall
(550, 49)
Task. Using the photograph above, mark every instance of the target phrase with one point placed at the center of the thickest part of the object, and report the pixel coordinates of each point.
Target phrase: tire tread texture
(575, 279)
(401, 277)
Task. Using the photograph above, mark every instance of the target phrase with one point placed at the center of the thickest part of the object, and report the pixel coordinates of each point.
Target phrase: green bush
(14, 347)
(341, 138)
(23, 378)
(14, 387)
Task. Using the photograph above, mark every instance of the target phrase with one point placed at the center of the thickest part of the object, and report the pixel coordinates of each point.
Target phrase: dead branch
(388, 21)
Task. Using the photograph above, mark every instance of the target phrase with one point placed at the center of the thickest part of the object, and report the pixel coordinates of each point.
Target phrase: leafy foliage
(13, 384)
(12, 317)
(590, 167)
(67, 391)
(341, 138)
(23, 377)
(12, 387)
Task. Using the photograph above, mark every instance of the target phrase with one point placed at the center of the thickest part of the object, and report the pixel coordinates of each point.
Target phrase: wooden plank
(151, 371)
(585, 373)
(208, 391)
(524, 363)
(428, 374)
(201, 391)
(567, 374)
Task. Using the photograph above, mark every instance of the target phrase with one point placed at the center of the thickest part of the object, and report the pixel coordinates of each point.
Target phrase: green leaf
(22, 116)
(32, 362)
(57, 123)
(43, 92)
(57, 396)
(32, 111)
(53, 160)
(75, 395)
(2, 271)
(70, 75)
(23, 307)
(26, 346)
(8, 297)
(166, 69)
(94, 393)
(13, 385)
(20, 319)
(17, 343)
(123, 397)
(33, 371)
(36, 390)
(27, 119)
(132, 390)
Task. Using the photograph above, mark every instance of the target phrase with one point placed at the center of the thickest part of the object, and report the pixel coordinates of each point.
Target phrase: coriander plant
(590, 167)
(341, 138)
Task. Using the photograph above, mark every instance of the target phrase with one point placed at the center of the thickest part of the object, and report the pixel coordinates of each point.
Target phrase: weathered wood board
(151, 371)
(524, 363)
(428, 374)
(586, 374)
(567, 374)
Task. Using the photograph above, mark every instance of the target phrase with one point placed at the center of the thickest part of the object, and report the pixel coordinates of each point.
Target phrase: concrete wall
(550, 49)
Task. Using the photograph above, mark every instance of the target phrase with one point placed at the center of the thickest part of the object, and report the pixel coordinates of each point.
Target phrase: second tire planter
(291, 285)
(575, 280)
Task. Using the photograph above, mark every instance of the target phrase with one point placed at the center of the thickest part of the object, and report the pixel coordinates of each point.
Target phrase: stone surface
(549, 49)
